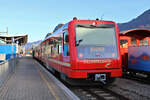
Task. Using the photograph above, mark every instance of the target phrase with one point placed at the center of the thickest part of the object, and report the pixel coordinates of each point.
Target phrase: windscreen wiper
(78, 42)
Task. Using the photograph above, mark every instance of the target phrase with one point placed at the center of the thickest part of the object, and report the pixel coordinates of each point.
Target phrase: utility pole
(12, 47)
(7, 31)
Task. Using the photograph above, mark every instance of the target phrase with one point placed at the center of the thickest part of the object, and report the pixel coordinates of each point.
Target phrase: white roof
(16, 35)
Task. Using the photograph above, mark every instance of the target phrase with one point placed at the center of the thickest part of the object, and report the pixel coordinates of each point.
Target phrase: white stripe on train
(59, 62)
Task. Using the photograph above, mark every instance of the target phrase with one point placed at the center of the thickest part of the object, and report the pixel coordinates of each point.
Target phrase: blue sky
(38, 17)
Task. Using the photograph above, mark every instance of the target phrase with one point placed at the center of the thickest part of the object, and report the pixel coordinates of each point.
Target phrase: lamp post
(12, 47)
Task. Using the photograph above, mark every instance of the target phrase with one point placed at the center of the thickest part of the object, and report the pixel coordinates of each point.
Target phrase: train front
(95, 52)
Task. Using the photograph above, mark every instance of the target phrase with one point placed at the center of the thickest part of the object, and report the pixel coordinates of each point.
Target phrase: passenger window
(65, 44)
(54, 48)
(51, 49)
(133, 41)
(124, 43)
(143, 42)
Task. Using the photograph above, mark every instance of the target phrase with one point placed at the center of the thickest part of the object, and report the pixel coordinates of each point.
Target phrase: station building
(10, 45)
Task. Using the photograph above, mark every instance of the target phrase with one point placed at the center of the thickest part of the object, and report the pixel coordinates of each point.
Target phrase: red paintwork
(80, 68)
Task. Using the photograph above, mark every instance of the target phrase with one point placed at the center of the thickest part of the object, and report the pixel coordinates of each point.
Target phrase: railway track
(101, 93)
(139, 79)
(93, 92)
(97, 93)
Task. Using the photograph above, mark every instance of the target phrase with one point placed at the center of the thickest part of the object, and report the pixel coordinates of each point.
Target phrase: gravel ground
(131, 89)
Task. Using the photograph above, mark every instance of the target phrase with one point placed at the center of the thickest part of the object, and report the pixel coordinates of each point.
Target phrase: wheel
(148, 76)
(132, 74)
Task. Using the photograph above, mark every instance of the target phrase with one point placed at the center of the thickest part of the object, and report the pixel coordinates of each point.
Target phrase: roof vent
(97, 18)
(75, 18)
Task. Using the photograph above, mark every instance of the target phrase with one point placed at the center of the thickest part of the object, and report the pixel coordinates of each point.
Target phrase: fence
(6, 69)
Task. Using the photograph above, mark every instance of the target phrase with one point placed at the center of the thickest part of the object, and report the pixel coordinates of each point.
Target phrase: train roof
(56, 31)
(137, 33)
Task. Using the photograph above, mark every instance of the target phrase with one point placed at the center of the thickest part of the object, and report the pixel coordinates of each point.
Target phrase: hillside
(29, 45)
(142, 21)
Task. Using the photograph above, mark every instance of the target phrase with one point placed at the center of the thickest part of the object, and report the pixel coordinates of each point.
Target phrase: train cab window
(143, 42)
(133, 41)
(65, 44)
(124, 43)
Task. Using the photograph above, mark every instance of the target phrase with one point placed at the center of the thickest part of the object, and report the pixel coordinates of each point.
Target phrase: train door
(125, 42)
(65, 44)
(65, 54)
(47, 53)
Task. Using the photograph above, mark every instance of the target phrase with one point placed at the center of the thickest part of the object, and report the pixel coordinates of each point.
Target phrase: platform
(30, 82)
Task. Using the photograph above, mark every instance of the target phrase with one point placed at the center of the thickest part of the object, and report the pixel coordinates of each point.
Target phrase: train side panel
(139, 58)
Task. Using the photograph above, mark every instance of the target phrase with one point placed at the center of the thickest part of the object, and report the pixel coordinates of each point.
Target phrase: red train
(83, 50)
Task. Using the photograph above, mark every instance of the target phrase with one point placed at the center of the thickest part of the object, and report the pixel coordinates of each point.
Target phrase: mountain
(142, 21)
(30, 45)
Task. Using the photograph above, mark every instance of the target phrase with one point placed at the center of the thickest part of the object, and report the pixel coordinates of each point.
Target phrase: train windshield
(96, 41)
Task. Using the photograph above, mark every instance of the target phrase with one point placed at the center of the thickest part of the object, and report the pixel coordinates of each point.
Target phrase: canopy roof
(8, 39)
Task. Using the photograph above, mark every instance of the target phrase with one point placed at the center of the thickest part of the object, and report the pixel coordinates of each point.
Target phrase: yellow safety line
(50, 88)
